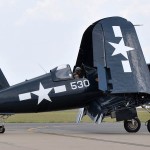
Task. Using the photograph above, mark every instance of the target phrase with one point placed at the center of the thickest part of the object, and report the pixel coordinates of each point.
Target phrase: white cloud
(50, 9)
(44, 10)
(7, 3)
(57, 10)
(136, 7)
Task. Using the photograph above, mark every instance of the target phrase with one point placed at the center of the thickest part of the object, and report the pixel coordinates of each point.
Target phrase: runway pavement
(68, 136)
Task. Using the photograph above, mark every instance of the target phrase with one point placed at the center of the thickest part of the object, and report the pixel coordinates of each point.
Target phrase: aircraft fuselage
(43, 94)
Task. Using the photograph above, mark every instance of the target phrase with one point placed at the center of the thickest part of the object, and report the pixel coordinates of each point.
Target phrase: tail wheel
(2, 129)
(148, 125)
(133, 125)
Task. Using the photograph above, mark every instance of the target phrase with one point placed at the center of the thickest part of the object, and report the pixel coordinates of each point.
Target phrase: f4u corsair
(115, 80)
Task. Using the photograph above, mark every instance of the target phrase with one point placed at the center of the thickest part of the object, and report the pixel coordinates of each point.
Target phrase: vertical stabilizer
(3, 81)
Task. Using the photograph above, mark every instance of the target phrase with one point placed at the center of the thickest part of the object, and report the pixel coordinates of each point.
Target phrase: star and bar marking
(121, 48)
(42, 93)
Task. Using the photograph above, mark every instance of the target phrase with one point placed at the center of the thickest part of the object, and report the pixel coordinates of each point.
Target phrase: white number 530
(79, 84)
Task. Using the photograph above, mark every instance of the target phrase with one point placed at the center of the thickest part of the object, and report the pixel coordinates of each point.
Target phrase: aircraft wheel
(133, 125)
(2, 129)
(148, 125)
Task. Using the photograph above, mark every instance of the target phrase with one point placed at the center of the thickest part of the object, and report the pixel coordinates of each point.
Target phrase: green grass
(68, 116)
(144, 116)
(50, 117)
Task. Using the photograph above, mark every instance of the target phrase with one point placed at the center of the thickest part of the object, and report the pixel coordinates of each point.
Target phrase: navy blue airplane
(114, 80)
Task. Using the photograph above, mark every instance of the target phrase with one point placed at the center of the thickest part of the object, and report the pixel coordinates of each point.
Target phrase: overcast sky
(48, 32)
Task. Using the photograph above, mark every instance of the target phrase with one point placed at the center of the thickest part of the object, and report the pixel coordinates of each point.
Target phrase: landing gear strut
(133, 125)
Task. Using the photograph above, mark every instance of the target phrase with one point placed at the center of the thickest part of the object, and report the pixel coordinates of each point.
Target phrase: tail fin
(3, 81)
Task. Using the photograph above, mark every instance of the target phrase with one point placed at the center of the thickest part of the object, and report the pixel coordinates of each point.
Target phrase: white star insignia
(121, 48)
(42, 93)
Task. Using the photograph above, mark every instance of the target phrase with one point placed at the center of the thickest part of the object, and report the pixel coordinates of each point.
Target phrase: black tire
(129, 127)
(2, 129)
(148, 125)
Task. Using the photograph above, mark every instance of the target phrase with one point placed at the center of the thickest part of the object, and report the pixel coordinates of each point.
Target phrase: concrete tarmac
(69, 136)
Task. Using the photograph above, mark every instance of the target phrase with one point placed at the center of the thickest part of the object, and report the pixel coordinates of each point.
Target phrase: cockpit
(61, 73)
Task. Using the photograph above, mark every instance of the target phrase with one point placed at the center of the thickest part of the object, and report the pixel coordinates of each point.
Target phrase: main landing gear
(2, 129)
(148, 122)
(132, 125)
(3, 117)
(148, 125)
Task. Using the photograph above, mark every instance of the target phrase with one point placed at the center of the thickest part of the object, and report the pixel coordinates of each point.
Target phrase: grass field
(68, 116)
